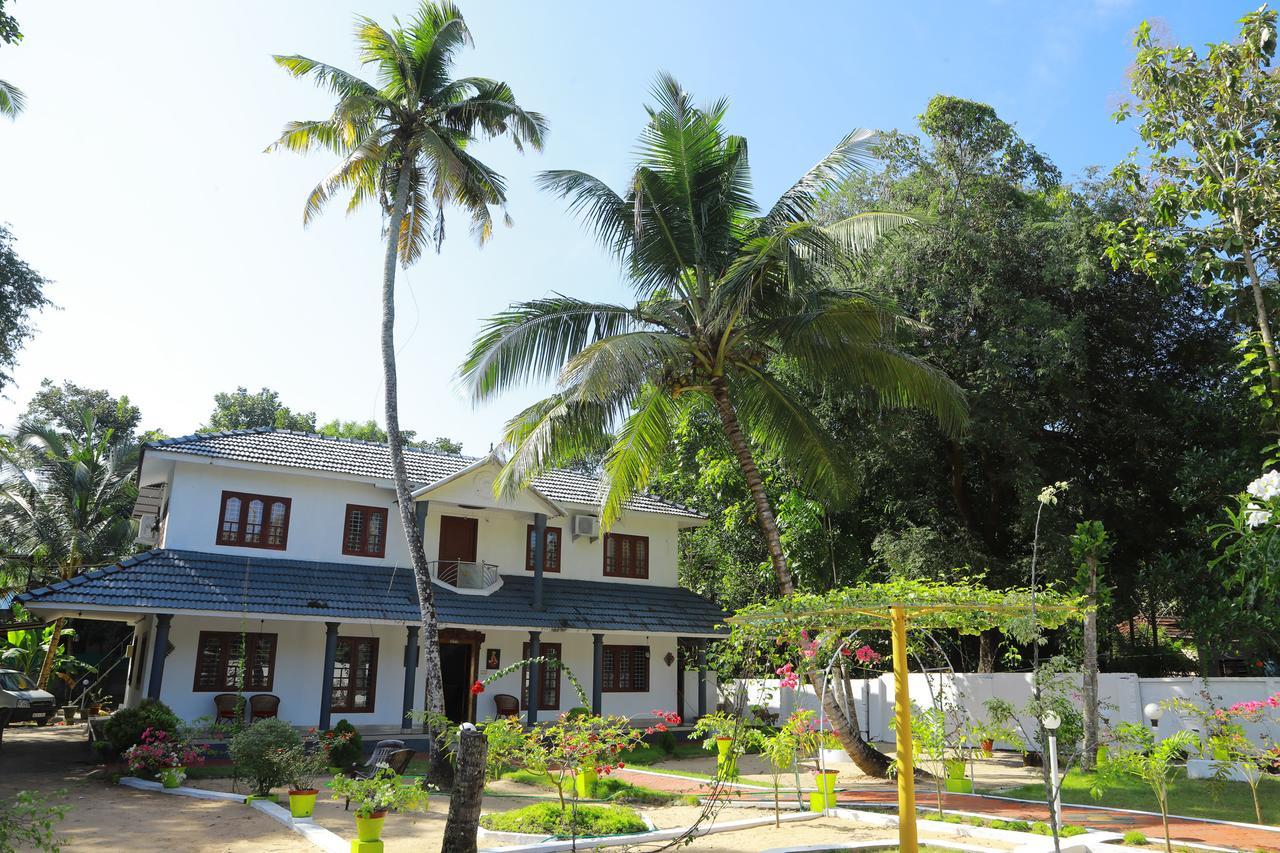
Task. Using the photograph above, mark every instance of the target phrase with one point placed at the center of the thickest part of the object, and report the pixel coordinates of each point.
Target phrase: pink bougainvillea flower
(866, 654)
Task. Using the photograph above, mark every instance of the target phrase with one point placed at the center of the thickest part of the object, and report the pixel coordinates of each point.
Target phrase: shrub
(253, 752)
(550, 819)
(1133, 836)
(952, 818)
(1041, 828)
(27, 822)
(126, 726)
(1070, 830)
(346, 748)
(667, 743)
(382, 792)
(1017, 825)
(998, 824)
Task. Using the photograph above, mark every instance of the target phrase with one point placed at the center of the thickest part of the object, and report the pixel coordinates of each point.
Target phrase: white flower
(1257, 516)
(1267, 486)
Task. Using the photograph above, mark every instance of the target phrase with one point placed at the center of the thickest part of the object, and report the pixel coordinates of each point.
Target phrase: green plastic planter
(171, 777)
(303, 803)
(826, 781)
(584, 782)
(726, 761)
(370, 828)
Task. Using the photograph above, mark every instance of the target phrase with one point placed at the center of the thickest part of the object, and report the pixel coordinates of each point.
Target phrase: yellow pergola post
(902, 716)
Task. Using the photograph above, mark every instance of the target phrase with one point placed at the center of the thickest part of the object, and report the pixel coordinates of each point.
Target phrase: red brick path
(1180, 829)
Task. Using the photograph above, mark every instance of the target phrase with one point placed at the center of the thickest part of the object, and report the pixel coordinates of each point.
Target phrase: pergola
(896, 605)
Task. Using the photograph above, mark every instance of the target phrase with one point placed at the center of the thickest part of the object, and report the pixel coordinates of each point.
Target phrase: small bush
(624, 792)
(547, 818)
(998, 824)
(126, 726)
(667, 743)
(1041, 828)
(253, 752)
(1133, 836)
(1017, 825)
(1070, 830)
(952, 818)
(344, 753)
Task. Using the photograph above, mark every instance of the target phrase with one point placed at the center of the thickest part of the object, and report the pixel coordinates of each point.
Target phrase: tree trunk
(468, 793)
(869, 759)
(755, 484)
(1090, 687)
(1264, 321)
(404, 500)
(46, 669)
(988, 641)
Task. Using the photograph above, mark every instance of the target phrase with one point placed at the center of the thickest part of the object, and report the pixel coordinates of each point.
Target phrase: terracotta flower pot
(370, 828)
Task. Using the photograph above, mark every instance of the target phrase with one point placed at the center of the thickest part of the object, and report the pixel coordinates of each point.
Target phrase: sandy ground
(112, 817)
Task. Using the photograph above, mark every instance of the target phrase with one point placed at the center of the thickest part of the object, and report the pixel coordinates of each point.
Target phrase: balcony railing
(468, 577)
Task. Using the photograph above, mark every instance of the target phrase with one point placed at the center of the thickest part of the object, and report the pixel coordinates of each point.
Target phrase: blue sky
(136, 180)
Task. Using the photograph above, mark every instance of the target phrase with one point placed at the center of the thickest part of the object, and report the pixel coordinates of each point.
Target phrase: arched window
(254, 521)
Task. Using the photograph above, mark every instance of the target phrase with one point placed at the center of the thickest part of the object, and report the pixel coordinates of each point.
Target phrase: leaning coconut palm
(403, 143)
(65, 504)
(725, 292)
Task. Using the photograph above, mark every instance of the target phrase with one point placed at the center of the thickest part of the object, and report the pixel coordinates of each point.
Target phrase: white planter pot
(1207, 768)
(834, 756)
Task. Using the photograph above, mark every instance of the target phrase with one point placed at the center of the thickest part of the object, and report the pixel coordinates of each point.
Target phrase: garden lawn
(1187, 797)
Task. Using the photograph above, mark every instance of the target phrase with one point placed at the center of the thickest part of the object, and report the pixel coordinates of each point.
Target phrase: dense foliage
(125, 727)
(549, 819)
(22, 289)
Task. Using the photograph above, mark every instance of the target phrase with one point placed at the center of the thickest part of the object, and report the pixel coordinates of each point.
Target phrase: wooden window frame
(616, 652)
(245, 498)
(543, 705)
(528, 549)
(610, 538)
(364, 551)
(348, 706)
(228, 638)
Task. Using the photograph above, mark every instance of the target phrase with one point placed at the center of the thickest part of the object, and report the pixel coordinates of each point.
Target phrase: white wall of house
(299, 668)
(318, 509)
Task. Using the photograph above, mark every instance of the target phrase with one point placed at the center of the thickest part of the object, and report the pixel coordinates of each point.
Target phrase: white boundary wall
(1125, 692)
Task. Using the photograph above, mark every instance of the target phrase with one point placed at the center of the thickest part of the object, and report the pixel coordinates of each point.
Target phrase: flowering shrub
(161, 750)
(341, 744)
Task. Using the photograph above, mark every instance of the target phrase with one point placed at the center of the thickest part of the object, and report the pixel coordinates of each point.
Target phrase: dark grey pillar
(539, 556)
(158, 653)
(597, 673)
(702, 678)
(410, 676)
(535, 678)
(326, 681)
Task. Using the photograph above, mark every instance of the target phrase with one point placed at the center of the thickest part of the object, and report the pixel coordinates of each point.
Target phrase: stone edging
(320, 837)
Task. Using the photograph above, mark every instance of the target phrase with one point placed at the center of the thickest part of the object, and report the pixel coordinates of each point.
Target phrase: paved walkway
(1180, 828)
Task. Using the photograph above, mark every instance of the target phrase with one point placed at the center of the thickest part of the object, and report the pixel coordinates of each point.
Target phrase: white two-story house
(280, 566)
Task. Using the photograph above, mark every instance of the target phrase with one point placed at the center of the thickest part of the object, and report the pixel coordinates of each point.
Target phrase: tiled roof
(166, 579)
(291, 449)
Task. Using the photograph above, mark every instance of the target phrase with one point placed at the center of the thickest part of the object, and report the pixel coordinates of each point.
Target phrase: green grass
(1187, 797)
(606, 789)
(647, 754)
(547, 818)
(1037, 828)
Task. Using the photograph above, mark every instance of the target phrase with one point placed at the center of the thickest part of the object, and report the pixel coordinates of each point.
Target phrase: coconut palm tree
(726, 293)
(403, 143)
(65, 504)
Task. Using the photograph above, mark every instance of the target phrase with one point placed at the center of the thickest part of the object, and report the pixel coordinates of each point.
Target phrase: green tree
(21, 295)
(65, 504)
(1090, 546)
(1210, 125)
(370, 431)
(1137, 753)
(725, 292)
(11, 98)
(63, 407)
(241, 410)
(404, 143)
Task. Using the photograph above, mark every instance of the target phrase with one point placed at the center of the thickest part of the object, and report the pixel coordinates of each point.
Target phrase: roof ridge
(264, 430)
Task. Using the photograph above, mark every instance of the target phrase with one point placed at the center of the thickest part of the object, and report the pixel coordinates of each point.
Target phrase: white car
(21, 700)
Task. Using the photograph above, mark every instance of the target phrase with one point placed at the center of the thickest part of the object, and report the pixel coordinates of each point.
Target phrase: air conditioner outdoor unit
(586, 525)
(148, 532)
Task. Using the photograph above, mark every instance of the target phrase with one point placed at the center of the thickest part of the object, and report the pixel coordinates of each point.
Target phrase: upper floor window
(626, 556)
(364, 531)
(254, 521)
(551, 559)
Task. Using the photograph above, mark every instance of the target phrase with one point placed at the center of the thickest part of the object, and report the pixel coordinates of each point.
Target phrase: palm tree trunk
(46, 669)
(868, 759)
(755, 484)
(417, 555)
(1090, 687)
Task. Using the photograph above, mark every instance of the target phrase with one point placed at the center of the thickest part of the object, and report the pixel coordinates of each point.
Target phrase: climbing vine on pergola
(965, 606)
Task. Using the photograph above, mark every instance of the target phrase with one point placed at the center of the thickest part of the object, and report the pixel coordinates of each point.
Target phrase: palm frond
(12, 100)
(623, 361)
(859, 233)
(494, 111)
(800, 201)
(341, 83)
(638, 450)
(553, 432)
(591, 199)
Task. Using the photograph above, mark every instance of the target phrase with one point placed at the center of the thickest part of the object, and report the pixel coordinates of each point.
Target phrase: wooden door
(458, 537)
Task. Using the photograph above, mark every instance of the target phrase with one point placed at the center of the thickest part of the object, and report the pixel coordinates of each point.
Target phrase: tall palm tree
(725, 293)
(65, 504)
(403, 143)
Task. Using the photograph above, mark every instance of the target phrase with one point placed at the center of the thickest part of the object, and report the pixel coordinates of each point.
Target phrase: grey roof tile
(291, 449)
(168, 579)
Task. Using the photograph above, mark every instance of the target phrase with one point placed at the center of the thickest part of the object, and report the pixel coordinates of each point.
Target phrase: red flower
(477, 688)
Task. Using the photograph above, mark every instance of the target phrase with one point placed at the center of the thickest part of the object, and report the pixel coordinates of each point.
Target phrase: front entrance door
(458, 536)
(456, 669)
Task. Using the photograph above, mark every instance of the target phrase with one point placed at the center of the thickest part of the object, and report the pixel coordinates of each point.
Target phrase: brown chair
(395, 758)
(227, 708)
(263, 706)
(506, 704)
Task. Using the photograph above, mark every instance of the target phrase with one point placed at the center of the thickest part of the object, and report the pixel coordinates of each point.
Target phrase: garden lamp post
(1154, 712)
(1051, 722)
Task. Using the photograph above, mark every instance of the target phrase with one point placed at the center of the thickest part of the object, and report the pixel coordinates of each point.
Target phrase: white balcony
(468, 578)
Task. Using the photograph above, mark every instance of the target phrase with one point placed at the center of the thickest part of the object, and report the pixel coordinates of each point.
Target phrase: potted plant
(163, 755)
(374, 797)
(69, 714)
(254, 752)
(831, 750)
(730, 736)
(300, 766)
